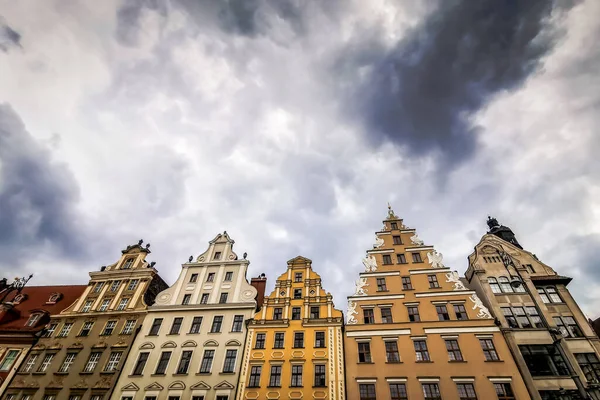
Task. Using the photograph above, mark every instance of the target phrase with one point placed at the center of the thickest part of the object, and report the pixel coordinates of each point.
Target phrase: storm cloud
(9, 38)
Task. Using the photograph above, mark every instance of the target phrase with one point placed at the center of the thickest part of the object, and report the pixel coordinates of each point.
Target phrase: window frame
(297, 371)
(238, 323)
(453, 349)
(368, 316)
(392, 354)
(489, 349)
(320, 378)
(381, 285)
(386, 315)
(421, 351)
(254, 379)
(217, 324)
(229, 361)
(196, 323)
(364, 353)
(433, 281)
(140, 363)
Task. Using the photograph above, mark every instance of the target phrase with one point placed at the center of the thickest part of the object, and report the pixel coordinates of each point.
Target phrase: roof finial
(391, 213)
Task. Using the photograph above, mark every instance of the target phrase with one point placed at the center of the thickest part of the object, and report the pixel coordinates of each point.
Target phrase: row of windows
(93, 360)
(113, 286)
(210, 277)
(499, 285)
(196, 324)
(279, 340)
(314, 313)
(173, 397)
(185, 361)
(413, 313)
(401, 258)
(422, 353)
(123, 303)
(407, 284)
(86, 328)
(52, 396)
(431, 391)
(204, 298)
(296, 376)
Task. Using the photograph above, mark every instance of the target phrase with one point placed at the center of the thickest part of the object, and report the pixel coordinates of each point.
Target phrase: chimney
(260, 283)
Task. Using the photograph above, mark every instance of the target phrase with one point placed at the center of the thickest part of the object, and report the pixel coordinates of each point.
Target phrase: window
(226, 397)
(186, 299)
(33, 319)
(98, 287)
(534, 317)
(366, 391)
(493, 282)
(9, 359)
(421, 351)
(543, 295)
(544, 360)
(216, 325)
(397, 239)
(511, 320)
(381, 286)
(26, 396)
(176, 327)
(319, 375)
(504, 391)
(67, 362)
(275, 378)
(128, 263)
(128, 327)
(254, 381)
(521, 317)
(460, 312)
(115, 285)
(400, 258)
(207, 360)
(155, 326)
(45, 363)
(589, 365)
(28, 367)
(229, 365)
(369, 316)
(319, 339)
(394, 225)
(96, 397)
(295, 312)
(184, 363)
(298, 277)
(454, 353)
(417, 257)
(431, 391)
(277, 313)
(398, 391)
(279, 341)
(297, 293)
(204, 298)
(92, 362)
(132, 284)
(391, 352)
(210, 277)
(442, 312)
(466, 391)
(554, 297)
(196, 323)
(228, 276)
(364, 352)
(113, 361)
(87, 306)
(505, 284)
(163, 362)
(260, 341)
(109, 328)
(298, 339)
(387, 259)
(386, 315)
(193, 278)
(314, 312)
(49, 331)
(217, 255)
(10, 396)
(66, 328)
(413, 313)
(489, 351)
(49, 397)
(104, 305)
(238, 321)
(296, 376)
(433, 282)
(567, 326)
(406, 284)
(141, 363)
(223, 298)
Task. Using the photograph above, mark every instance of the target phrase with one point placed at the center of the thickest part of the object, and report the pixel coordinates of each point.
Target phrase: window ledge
(227, 373)
(61, 373)
(182, 374)
(214, 333)
(157, 375)
(38, 373)
(274, 386)
(394, 362)
(494, 361)
(457, 361)
(134, 376)
(86, 373)
(172, 334)
(108, 372)
(366, 362)
(423, 361)
(320, 386)
(203, 373)
(252, 387)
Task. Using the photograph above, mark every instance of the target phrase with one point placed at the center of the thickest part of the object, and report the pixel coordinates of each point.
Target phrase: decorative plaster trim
(426, 380)
(463, 379)
(380, 251)
(366, 380)
(482, 329)
(501, 379)
(427, 271)
(438, 294)
(413, 249)
(379, 333)
(396, 380)
(380, 297)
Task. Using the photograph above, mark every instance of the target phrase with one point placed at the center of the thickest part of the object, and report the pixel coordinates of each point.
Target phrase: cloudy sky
(291, 124)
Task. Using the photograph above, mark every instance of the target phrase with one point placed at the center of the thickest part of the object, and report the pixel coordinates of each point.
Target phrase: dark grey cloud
(129, 16)
(9, 38)
(422, 93)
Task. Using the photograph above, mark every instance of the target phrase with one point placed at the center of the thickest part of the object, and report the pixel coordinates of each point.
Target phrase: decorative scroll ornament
(416, 240)
(378, 242)
(384, 228)
(477, 304)
(435, 259)
(350, 320)
(370, 263)
(453, 277)
(361, 283)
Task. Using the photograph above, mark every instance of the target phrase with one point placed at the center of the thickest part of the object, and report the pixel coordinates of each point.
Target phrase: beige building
(552, 342)
(190, 345)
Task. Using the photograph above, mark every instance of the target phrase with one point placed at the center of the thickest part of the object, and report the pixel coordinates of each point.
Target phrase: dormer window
(128, 263)
(19, 298)
(217, 255)
(54, 298)
(33, 319)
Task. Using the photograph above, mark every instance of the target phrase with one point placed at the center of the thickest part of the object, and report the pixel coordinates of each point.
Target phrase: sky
(291, 125)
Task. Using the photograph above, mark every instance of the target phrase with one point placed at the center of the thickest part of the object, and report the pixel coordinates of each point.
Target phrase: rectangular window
(275, 378)
(49, 331)
(296, 376)
(489, 351)
(364, 352)
(394, 225)
(433, 282)
(210, 277)
(400, 258)
(193, 278)
(204, 298)
(86, 328)
(460, 312)
(543, 296)
(387, 259)
(386, 315)
(295, 312)
(398, 391)
(186, 299)
(96, 397)
(28, 367)
(216, 324)
(230, 357)
(319, 339)
(176, 327)
(466, 391)
(87, 306)
(504, 391)
(421, 350)
(128, 263)
(314, 312)
(534, 317)
(366, 391)
(141, 363)
(571, 327)
(298, 277)
(277, 313)
(254, 380)
(381, 286)
(9, 359)
(109, 328)
(113, 361)
(217, 255)
(207, 361)
(297, 293)
(260, 341)
(319, 375)
(114, 286)
(92, 362)
(279, 341)
(590, 366)
(184, 363)
(98, 287)
(391, 352)
(49, 397)
(223, 298)
(397, 239)
(132, 284)
(66, 328)
(45, 363)
(104, 305)
(369, 316)
(454, 353)
(155, 326)
(511, 320)
(298, 339)
(553, 294)
(442, 312)
(522, 319)
(544, 360)
(238, 321)
(417, 257)
(128, 327)
(163, 362)
(228, 276)
(123, 304)
(431, 391)
(406, 283)
(413, 313)
(196, 324)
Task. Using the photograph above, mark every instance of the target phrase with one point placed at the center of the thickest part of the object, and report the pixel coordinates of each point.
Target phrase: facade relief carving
(483, 312)
(435, 258)
(414, 239)
(370, 263)
(452, 277)
(350, 314)
(361, 284)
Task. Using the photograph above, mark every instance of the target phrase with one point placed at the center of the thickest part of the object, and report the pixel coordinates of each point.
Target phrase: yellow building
(294, 344)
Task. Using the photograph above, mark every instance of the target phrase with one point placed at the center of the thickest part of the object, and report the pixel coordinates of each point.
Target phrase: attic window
(19, 298)
(128, 263)
(33, 319)
(54, 297)
(217, 255)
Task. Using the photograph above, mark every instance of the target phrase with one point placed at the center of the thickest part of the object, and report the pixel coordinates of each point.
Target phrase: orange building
(415, 331)
(294, 345)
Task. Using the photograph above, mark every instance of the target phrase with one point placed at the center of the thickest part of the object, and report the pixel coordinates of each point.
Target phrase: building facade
(191, 342)
(415, 331)
(294, 348)
(553, 344)
(82, 349)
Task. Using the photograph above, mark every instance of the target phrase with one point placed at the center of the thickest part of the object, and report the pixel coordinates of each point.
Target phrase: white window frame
(128, 327)
(5, 359)
(30, 363)
(113, 361)
(67, 362)
(104, 305)
(65, 329)
(92, 363)
(123, 303)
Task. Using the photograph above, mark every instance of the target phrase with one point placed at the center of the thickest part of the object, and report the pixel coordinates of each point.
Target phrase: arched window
(494, 285)
(520, 288)
(505, 284)
(54, 298)
(33, 319)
